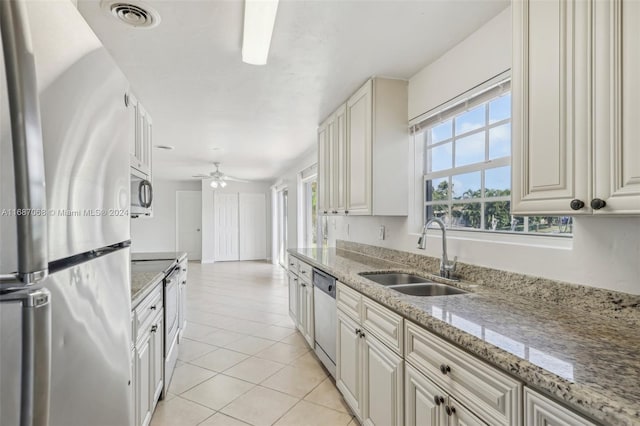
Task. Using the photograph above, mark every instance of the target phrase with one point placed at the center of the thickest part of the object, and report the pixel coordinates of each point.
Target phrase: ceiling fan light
(214, 184)
(223, 184)
(259, 19)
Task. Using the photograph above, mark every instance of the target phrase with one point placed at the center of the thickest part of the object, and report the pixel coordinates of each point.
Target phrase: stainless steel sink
(394, 278)
(430, 289)
(413, 285)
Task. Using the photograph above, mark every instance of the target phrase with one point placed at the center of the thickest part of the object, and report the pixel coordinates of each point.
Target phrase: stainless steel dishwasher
(325, 318)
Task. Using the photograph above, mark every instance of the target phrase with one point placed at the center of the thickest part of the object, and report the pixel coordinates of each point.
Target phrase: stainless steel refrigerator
(65, 305)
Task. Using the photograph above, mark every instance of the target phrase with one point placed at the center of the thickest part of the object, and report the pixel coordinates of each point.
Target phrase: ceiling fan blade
(234, 179)
(201, 176)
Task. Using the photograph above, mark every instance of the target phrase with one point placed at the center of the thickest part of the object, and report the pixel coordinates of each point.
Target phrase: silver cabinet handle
(28, 152)
(36, 354)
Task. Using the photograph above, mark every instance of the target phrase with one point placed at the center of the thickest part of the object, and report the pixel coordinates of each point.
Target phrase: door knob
(598, 203)
(576, 204)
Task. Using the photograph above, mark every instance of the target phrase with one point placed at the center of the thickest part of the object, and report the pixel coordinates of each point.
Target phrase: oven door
(141, 195)
(171, 289)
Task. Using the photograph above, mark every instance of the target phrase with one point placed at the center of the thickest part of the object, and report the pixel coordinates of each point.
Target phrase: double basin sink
(413, 285)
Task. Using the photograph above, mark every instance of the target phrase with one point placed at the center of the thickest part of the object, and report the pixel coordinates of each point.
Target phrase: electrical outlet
(347, 229)
(381, 232)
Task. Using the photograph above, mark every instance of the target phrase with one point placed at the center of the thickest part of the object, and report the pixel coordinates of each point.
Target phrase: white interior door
(225, 212)
(189, 223)
(253, 226)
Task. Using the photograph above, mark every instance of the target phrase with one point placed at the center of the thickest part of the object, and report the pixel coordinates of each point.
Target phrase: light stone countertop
(588, 362)
(145, 276)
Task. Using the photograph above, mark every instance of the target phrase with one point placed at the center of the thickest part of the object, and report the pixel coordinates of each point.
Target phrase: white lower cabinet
(382, 372)
(293, 297)
(493, 396)
(148, 357)
(301, 300)
(157, 359)
(307, 322)
(369, 375)
(348, 354)
(143, 378)
(540, 410)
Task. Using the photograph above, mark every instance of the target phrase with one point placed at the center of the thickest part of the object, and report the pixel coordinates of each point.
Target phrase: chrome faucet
(447, 268)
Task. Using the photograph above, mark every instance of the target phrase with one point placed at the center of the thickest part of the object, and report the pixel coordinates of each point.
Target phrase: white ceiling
(188, 72)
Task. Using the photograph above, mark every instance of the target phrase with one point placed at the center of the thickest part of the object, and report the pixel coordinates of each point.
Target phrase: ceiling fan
(218, 178)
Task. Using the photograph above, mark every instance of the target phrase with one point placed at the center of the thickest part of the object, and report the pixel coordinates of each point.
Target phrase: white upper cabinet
(338, 166)
(359, 177)
(617, 127)
(365, 164)
(323, 169)
(551, 92)
(575, 141)
(140, 146)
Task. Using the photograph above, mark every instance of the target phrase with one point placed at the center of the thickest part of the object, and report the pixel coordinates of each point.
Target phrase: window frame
(449, 111)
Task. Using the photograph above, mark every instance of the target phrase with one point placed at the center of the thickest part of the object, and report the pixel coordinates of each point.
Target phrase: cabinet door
(348, 362)
(460, 416)
(424, 401)
(143, 381)
(148, 144)
(132, 106)
(617, 66)
(309, 326)
(331, 165)
(323, 168)
(382, 390)
(551, 110)
(540, 410)
(359, 155)
(157, 360)
(293, 297)
(339, 189)
(302, 306)
(143, 150)
(132, 389)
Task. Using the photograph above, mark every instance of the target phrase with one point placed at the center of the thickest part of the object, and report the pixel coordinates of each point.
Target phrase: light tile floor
(242, 362)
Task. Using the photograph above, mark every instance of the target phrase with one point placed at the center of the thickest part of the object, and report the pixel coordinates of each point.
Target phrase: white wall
(208, 229)
(158, 233)
(604, 252)
(481, 56)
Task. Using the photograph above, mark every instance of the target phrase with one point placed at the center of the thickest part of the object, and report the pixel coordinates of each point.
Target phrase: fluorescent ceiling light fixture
(259, 18)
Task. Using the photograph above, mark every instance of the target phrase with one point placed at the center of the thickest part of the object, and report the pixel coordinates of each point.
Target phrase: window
(467, 166)
(310, 211)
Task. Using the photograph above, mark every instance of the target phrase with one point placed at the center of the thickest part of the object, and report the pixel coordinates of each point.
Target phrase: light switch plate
(381, 232)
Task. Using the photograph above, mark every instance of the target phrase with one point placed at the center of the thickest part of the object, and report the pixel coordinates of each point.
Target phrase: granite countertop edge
(580, 397)
(152, 281)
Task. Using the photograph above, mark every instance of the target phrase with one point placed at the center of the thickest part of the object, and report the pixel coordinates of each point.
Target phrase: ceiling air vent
(133, 14)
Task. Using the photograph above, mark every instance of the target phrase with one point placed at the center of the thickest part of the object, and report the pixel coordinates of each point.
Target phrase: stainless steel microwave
(141, 195)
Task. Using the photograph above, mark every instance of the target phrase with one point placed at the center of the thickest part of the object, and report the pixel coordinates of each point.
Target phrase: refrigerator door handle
(28, 150)
(36, 355)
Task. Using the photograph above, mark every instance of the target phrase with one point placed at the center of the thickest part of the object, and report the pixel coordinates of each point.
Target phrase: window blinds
(474, 97)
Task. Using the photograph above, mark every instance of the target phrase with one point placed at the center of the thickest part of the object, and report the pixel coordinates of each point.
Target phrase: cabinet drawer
(490, 394)
(304, 271)
(151, 305)
(293, 264)
(349, 301)
(540, 410)
(384, 324)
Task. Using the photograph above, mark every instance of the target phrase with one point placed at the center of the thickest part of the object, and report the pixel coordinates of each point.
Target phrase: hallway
(241, 360)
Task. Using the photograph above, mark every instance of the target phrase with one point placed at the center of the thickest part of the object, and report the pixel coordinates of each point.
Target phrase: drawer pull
(444, 369)
(438, 400)
(153, 307)
(154, 328)
(450, 410)
(304, 272)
